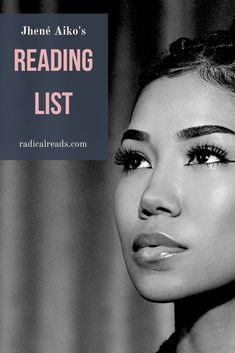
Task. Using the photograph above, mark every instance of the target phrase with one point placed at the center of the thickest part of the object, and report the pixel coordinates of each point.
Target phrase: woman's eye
(131, 160)
(137, 161)
(206, 155)
(203, 158)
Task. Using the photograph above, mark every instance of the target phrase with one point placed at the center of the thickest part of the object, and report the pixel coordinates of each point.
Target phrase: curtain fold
(64, 286)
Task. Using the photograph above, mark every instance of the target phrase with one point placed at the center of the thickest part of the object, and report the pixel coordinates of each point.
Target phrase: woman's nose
(161, 195)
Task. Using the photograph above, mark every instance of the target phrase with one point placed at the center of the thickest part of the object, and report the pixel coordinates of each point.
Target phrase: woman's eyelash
(201, 154)
(129, 159)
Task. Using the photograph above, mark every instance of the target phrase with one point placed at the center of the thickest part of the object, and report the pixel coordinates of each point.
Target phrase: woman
(175, 203)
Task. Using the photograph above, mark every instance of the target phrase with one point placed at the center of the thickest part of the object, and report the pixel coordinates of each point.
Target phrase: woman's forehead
(182, 102)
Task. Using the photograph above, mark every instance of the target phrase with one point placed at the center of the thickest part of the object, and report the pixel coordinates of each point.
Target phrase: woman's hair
(212, 56)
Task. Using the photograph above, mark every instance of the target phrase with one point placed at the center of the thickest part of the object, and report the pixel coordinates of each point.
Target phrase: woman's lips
(155, 248)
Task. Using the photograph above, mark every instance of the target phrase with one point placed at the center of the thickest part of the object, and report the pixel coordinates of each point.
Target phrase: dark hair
(212, 56)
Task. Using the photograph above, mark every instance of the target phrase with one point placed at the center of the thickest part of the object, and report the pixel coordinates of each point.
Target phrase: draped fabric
(64, 286)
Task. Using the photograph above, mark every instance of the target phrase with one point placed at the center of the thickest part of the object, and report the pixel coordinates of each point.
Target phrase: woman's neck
(206, 323)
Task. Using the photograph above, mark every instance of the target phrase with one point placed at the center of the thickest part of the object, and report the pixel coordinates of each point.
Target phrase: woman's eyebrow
(202, 130)
(137, 135)
(185, 134)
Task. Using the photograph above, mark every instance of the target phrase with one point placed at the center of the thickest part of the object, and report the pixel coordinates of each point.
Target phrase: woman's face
(175, 203)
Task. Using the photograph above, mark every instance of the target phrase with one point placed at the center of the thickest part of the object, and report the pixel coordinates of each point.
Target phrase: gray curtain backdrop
(63, 282)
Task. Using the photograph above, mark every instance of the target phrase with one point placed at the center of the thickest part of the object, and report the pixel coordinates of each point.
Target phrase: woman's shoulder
(169, 346)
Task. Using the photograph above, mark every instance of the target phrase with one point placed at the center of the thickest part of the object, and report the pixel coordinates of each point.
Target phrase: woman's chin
(158, 296)
(160, 290)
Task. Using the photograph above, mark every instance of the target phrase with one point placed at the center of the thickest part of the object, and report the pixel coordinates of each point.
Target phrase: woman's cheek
(127, 199)
(125, 203)
(223, 206)
(212, 203)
